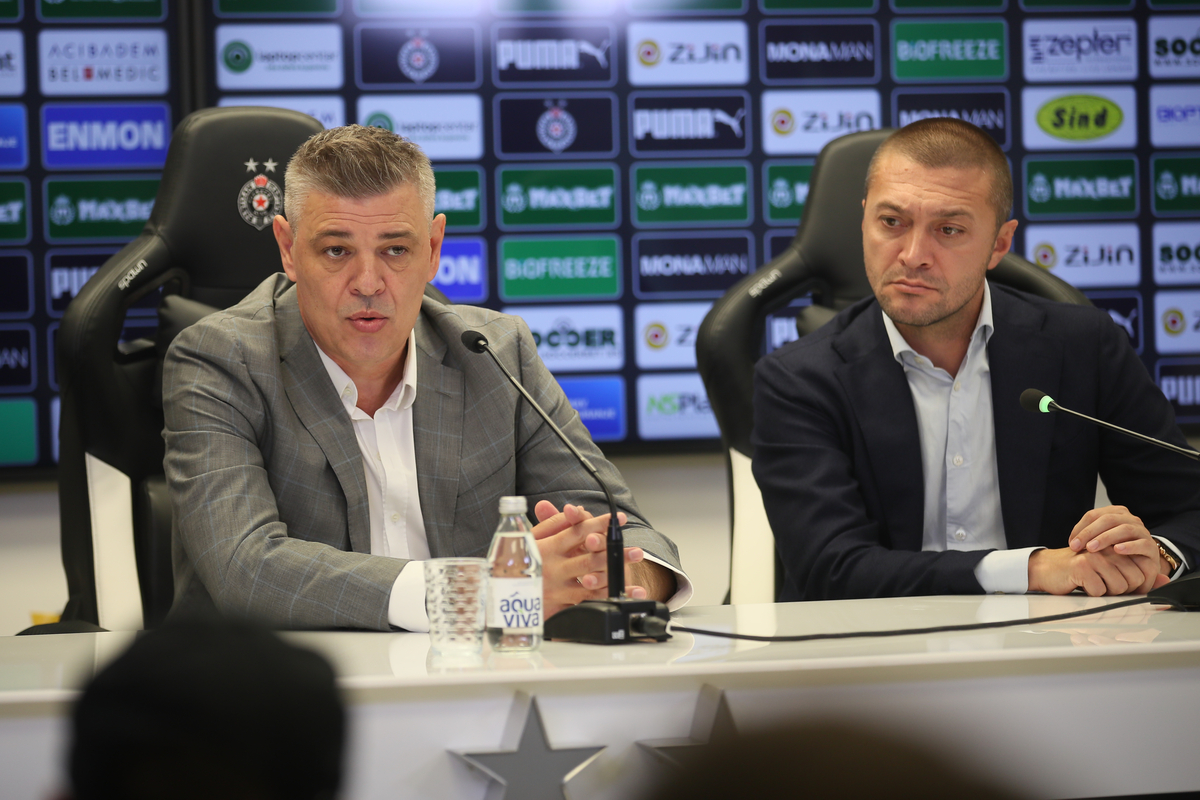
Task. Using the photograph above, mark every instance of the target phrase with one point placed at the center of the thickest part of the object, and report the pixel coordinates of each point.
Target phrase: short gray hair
(356, 162)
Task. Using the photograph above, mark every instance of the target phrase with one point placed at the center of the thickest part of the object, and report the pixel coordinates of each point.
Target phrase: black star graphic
(526, 768)
(712, 724)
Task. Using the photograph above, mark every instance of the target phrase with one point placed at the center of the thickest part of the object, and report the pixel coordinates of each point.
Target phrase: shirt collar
(402, 397)
(983, 327)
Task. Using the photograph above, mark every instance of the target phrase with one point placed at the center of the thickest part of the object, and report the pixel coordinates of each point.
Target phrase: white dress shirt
(394, 504)
(958, 457)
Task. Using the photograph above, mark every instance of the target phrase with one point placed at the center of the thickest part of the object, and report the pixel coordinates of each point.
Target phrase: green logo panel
(277, 7)
(949, 51)
(18, 432)
(97, 210)
(557, 197)
(691, 194)
(783, 6)
(560, 267)
(785, 190)
(1081, 187)
(460, 197)
(101, 9)
(1176, 184)
(679, 6)
(10, 10)
(14, 212)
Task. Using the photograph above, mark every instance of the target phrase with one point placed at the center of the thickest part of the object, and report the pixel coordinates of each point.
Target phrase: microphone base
(611, 621)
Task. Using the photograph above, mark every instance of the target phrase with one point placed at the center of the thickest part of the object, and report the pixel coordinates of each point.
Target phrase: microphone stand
(619, 619)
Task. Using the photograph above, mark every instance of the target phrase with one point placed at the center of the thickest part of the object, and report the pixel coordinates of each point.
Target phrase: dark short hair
(945, 142)
(209, 708)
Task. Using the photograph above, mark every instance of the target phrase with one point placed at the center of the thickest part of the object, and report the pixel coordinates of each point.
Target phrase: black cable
(975, 626)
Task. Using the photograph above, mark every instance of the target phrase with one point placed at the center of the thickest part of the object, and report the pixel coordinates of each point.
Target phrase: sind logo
(1079, 117)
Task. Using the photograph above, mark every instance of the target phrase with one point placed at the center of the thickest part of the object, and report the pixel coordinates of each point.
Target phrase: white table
(1075, 703)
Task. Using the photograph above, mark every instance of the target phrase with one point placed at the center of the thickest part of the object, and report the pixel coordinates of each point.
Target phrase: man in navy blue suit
(890, 447)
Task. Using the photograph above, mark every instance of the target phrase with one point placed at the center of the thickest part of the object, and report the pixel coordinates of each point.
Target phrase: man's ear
(437, 234)
(285, 237)
(1003, 243)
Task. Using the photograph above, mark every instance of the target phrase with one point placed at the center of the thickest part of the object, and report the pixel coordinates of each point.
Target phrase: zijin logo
(103, 62)
(1178, 330)
(1057, 118)
(818, 52)
(1174, 47)
(1087, 255)
(1174, 321)
(1088, 49)
(279, 57)
(668, 334)
(547, 54)
(1081, 188)
(802, 122)
(688, 54)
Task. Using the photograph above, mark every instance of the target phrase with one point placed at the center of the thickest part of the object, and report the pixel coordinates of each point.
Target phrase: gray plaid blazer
(267, 483)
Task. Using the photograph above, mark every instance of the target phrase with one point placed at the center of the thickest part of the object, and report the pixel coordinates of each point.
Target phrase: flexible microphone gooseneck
(1182, 592)
(618, 619)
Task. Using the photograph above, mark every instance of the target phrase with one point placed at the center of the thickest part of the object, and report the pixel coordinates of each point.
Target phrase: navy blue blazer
(837, 456)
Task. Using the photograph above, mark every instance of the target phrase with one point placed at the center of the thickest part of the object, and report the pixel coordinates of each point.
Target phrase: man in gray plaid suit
(331, 428)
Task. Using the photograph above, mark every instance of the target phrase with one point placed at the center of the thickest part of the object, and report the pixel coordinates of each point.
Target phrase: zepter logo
(649, 53)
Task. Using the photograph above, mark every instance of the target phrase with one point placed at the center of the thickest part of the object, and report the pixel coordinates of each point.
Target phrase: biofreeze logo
(818, 52)
(534, 54)
(1174, 45)
(950, 50)
(103, 62)
(1080, 49)
(559, 267)
(80, 135)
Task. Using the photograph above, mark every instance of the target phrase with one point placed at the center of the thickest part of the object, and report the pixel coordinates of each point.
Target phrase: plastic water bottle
(514, 614)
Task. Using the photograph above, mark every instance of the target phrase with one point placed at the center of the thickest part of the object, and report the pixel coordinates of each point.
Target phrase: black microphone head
(1031, 400)
(474, 341)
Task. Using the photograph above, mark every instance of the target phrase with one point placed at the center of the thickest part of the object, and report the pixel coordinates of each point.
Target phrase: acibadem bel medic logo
(1176, 184)
(1079, 188)
(460, 197)
(14, 212)
(97, 210)
(950, 50)
(560, 268)
(557, 197)
(691, 194)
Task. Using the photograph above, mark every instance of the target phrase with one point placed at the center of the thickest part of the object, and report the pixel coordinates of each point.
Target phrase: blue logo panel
(14, 139)
(600, 403)
(105, 135)
(463, 273)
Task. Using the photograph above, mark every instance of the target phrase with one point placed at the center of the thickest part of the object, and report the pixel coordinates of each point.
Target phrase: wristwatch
(1172, 562)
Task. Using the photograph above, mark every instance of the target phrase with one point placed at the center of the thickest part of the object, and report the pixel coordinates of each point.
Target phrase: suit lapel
(1021, 357)
(437, 433)
(320, 410)
(882, 403)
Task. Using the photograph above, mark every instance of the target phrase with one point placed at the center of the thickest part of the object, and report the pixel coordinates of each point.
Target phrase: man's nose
(368, 279)
(917, 248)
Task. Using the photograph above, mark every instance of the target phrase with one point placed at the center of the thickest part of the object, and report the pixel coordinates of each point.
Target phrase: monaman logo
(1080, 117)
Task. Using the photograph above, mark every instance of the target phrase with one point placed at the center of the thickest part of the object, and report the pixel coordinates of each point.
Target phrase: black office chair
(826, 260)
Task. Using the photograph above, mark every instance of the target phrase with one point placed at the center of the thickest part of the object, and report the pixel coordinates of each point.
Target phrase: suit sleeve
(547, 470)
(235, 548)
(1161, 487)
(821, 492)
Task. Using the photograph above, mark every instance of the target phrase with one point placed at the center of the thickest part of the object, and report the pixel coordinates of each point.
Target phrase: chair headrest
(222, 185)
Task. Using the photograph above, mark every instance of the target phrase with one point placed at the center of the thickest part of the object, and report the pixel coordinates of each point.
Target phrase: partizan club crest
(556, 128)
(260, 199)
(418, 59)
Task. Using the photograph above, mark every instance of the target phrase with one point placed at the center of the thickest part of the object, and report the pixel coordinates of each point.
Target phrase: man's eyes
(396, 250)
(950, 230)
(336, 251)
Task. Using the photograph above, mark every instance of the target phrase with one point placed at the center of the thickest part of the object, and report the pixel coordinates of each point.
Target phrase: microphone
(1038, 401)
(618, 619)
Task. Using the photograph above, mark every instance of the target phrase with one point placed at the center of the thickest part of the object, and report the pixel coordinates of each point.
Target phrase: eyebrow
(385, 236)
(945, 213)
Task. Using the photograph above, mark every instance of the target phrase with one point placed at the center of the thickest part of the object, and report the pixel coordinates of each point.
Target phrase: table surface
(53, 668)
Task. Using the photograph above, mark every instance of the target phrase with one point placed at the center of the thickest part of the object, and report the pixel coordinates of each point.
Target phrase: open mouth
(367, 321)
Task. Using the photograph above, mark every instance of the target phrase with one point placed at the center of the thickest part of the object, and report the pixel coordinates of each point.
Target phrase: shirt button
(958, 460)
(395, 517)
(960, 534)
(958, 386)
(346, 392)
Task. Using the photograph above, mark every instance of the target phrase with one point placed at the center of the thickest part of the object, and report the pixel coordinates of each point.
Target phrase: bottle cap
(513, 505)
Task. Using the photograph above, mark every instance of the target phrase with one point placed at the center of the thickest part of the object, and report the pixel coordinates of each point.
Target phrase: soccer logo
(418, 59)
(1044, 256)
(556, 128)
(514, 199)
(656, 335)
(648, 53)
(783, 122)
(1174, 321)
(1167, 187)
(648, 197)
(259, 201)
(62, 212)
(781, 193)
(1039, 189)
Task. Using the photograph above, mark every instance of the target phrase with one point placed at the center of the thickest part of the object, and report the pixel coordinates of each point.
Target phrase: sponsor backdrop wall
(88, 98)
(609, 167)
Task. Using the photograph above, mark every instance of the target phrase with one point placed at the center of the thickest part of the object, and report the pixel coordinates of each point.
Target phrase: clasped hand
(572, 543)
(1109, 552)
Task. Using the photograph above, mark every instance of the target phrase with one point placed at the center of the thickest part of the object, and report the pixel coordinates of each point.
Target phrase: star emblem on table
(250, 165)
(712, 724)
(526, 767)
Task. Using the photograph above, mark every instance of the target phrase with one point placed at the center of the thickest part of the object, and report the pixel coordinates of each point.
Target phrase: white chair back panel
(752, 560)
(118, 591)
